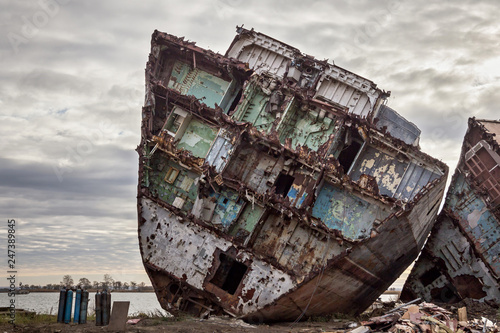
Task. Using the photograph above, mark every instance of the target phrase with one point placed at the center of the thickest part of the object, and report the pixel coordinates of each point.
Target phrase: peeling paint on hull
(462, 256)
(266, 190)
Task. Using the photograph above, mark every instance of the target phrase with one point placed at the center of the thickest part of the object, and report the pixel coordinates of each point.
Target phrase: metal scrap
(426, 317)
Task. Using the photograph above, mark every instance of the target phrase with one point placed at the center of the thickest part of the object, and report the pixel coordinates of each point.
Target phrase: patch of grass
(319, 319)
(159, 316)
(30, 318)
(331, 317)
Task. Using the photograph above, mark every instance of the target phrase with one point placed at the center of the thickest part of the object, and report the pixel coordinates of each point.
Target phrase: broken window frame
(168, 175)
(177, 112)
(356, 157)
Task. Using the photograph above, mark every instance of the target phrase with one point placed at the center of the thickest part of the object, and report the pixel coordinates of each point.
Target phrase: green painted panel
(248, 219)
(306, 129)
(182, 186)
(253, 109)
(197, 138)
(189, 81)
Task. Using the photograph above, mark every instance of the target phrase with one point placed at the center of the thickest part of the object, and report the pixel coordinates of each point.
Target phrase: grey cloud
(47, 81)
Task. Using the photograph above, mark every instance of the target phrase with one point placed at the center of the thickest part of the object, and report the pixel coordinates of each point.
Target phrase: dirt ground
(216, 325)
(475, 310)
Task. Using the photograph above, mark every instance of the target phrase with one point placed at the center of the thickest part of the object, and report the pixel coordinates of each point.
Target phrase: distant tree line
(107, 283)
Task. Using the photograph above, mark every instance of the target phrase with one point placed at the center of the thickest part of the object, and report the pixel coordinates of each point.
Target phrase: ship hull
(273, 186)
(461, 258)
(181, 257)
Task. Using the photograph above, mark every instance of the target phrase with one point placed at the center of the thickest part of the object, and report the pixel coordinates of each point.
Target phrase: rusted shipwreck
(275, 186)
(461, 259)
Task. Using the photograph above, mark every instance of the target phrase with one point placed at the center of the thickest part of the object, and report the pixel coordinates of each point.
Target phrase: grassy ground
(158, 322)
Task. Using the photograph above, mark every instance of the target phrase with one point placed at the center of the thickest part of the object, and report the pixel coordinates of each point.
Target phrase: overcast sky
(72, 86)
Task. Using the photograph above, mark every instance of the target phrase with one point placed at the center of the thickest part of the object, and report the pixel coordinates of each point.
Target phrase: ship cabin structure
(461, 259)
(275, 186)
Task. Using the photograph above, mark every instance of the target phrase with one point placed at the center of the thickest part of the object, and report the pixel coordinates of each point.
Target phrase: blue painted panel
(415, 178)
(394, 178)
(301, 201)
(476, 219)
(227, 208)
(397, 126)
(292, 193)
(343, 211)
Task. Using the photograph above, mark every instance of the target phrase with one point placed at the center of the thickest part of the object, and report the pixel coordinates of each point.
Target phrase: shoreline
(89, 290)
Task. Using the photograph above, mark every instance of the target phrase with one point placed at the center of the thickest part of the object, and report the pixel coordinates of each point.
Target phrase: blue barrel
(62, 303)
(68, 306)
(78, 300)
(109, 307)
(83, 307)
(98, 307)
(105, 307)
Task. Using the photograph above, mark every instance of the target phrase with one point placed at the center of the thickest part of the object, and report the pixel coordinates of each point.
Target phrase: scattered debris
(134, 321)
(428, 317)
(233, 322)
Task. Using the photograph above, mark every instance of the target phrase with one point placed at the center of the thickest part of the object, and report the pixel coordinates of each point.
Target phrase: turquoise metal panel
(345, 212)
(247, 221)
(305, 129)
(197, 138)
(255, 111)
(198, 83)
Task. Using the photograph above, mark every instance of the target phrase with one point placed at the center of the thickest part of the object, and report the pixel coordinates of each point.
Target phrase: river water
(145, 302)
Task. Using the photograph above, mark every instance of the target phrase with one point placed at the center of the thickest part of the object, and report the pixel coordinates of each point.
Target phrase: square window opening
(284, 183)
(229, 274)
(430, 276)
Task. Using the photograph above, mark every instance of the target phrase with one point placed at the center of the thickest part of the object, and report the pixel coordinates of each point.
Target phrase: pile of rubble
(427, 318)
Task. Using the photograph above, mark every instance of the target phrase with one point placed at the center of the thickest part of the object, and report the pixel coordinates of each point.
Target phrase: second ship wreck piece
(461, 259)
(274, 186)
